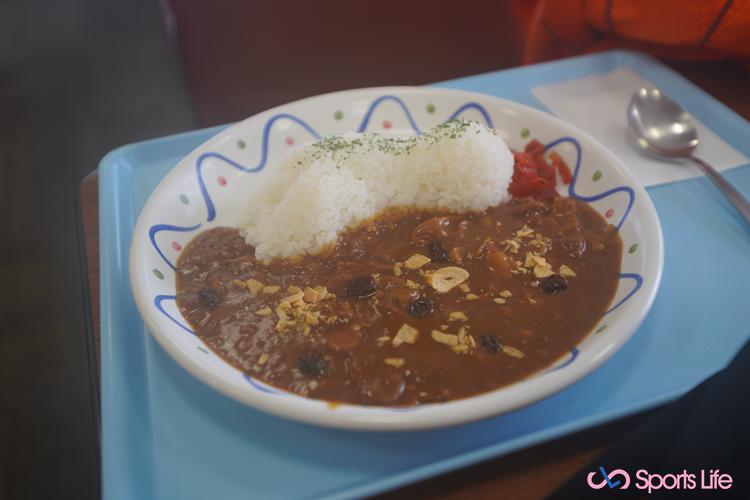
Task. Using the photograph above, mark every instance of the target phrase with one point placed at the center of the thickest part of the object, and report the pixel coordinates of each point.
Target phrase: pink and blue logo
(714, 480)
(608, 479)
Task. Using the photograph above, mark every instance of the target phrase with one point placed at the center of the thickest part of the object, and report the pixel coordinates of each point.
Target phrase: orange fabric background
(680, 29)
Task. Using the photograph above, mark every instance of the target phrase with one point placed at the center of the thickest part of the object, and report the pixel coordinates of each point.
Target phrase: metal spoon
(665, 129)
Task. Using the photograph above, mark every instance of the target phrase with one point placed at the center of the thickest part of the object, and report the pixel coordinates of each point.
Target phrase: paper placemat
(598, 105)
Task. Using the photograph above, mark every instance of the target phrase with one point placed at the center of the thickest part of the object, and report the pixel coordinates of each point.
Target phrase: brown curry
(410, 308)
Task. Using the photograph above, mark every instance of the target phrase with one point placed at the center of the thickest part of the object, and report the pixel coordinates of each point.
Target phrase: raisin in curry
(410, 308)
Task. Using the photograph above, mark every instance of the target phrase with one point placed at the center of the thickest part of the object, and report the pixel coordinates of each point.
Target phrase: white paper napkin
(598, 105)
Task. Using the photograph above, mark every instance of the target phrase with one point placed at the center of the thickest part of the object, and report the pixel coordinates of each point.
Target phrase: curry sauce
(411, 307)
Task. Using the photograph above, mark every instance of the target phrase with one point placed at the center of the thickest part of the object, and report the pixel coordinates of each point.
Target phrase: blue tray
(165, 435)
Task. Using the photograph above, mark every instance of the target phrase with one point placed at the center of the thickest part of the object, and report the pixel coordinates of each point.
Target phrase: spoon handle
(734, 196)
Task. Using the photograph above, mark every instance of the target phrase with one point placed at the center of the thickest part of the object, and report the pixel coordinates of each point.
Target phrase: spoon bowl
(666, 130)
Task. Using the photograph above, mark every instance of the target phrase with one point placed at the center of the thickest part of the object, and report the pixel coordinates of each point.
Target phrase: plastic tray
(166, 435)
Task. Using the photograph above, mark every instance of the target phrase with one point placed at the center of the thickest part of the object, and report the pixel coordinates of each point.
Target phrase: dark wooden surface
(536, 472)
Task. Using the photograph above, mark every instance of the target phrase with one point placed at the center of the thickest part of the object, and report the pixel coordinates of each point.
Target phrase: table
(532, 473)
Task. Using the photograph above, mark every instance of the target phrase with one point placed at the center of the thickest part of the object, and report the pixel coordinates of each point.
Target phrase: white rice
(324, 187)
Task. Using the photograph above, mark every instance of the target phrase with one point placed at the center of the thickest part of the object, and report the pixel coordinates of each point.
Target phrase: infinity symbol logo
(608, 479)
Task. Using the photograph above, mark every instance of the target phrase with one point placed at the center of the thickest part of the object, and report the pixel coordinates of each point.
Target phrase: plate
(206, 187)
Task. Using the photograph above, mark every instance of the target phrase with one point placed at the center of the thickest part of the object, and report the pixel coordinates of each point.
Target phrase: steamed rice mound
(324, 187)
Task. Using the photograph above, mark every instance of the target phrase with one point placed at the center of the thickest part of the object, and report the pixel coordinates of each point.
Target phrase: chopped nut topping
(543, 271)
(464, 287)
(499, 300)
(525, 231)
(506, 294)
(405, 334)
(541, 243)
(254, 286)
(263, 358)
(512, 351)
(444, 338)
(471, 296)
(311, 295)
(460, 348)
(293, 289)
(322, 292)
(271, 289)
(531, 260)
(416, 261)
(446, 278)
(310, 319)
(461, 335)
(239, 283)
(282, 325)
(291, 299)
(397, 270)
(384, 338)
(281, 313)
(566, 271)
(411, 284)
(511, 245)
(397, 362)
(266, 311)
(457, 316)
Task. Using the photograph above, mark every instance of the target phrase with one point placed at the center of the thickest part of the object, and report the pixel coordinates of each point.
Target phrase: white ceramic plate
(205, 189)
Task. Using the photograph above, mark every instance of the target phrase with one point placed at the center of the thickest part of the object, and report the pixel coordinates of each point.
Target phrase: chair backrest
(241, 57)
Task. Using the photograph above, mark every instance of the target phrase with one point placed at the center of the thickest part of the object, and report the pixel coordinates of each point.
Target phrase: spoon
(665, 129)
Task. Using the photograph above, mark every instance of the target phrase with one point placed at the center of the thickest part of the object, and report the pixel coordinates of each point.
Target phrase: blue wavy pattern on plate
(638, 283)
(476, 106)
(158, 300)
(262, 387)
(366, 120)
(261, 163)
(626, 189)
(211, 211)
(571, 189)
(572, 357)
(166, 227)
